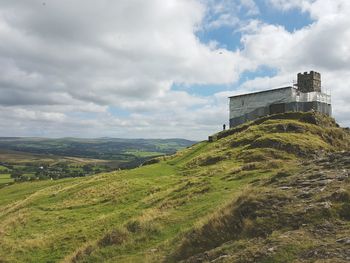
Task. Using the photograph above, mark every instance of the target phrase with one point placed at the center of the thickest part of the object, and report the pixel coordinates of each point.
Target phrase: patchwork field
(37, 159)
(5, 179)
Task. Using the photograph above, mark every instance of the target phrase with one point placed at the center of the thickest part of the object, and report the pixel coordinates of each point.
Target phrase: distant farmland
(25, 159)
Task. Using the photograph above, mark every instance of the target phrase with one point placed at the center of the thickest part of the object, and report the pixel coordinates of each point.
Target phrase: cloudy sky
(159, 68)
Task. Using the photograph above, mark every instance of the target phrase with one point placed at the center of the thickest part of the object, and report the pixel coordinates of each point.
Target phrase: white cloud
(304, 5)
(227, 13)
(316, 8)
(65, 59)
(321, 46)
(67, 64)
(251, 6)
(130, 47)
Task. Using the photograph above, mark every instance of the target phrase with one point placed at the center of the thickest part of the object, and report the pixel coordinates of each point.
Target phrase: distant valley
(26, 159)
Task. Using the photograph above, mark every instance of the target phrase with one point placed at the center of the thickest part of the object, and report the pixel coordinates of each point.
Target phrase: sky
(160, 68)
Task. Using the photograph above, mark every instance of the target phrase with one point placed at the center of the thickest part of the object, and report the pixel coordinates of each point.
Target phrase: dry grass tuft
(80, 253)
(115, 237)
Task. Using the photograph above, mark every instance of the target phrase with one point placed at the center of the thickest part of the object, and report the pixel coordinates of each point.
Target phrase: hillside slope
(276, 190)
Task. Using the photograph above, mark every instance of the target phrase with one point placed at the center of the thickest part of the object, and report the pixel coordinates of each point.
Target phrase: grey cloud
(124, 48)
(66, 63)
(65, 60)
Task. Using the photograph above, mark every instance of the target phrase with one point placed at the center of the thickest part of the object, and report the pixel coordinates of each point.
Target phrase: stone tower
(308, 82)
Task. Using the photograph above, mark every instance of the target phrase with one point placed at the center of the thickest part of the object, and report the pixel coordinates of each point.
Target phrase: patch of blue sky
(229, 37)
(226, 37)
(260, 72)
(202, 89)
(291, 19)
(209, 90)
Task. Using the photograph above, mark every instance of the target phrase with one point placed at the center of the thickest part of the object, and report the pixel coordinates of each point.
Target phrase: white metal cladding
(312, 96)
(240, 105)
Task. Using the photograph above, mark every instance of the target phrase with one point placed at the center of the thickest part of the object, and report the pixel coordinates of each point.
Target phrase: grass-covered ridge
(170, 210)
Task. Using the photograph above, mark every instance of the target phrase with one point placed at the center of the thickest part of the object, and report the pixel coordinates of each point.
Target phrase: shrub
(115, 237)
(133, 226)
(82, 253)
(344, 211)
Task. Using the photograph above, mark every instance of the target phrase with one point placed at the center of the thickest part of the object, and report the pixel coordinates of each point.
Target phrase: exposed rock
(345, 240)
(320, 194)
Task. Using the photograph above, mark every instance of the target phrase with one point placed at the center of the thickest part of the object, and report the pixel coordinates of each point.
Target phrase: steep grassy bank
(196, 201)
(291, 217)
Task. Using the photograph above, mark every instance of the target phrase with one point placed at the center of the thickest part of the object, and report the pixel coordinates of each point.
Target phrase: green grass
(154, 194)
(144, 153)
(3, 168)
(5, 179)
(141, 215)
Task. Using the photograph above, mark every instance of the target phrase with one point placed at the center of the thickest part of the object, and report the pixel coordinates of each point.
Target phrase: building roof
(263, 91)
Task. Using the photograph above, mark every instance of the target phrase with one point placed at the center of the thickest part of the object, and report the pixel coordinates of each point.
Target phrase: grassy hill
(274, 190)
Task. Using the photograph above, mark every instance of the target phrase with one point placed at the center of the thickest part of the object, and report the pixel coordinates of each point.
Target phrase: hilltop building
(305, 96)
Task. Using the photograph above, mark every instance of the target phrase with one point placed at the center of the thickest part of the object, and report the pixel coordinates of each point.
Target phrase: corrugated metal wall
(251, 106)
